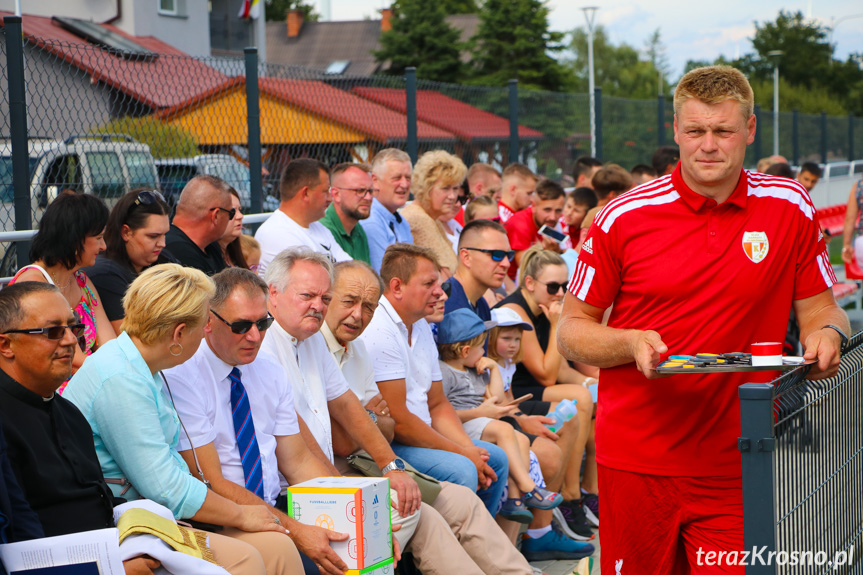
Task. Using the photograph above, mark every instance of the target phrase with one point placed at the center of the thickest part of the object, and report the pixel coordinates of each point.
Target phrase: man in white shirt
(463, 545)
(305, 196)
(299, 281)
(428, 431)
(202, 390)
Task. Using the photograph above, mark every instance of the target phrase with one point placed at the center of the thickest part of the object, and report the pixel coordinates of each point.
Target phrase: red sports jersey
(459, 217)
(709, 279)
(522, 233)
(505, 212)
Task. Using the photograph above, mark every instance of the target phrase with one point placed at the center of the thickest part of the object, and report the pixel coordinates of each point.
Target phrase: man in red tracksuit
(707, 259)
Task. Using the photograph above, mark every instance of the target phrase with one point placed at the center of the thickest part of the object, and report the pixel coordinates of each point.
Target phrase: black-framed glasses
(360, 192)
(231, 213)
(553, 287)
(244, 325)
(496, 255)
(149, 197)
(52, 332)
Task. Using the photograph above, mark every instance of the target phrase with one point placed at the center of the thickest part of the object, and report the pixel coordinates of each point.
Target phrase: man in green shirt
(352, 192)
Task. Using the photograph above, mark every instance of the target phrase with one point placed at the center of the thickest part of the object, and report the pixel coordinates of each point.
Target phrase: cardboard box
(383, 568)
(358, 506)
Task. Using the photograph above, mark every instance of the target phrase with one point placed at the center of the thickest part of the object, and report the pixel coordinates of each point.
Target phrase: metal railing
(802, 454)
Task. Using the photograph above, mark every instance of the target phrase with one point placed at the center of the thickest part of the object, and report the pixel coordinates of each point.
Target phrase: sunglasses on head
(496, 255)
(54, 331)
(553, 287)
(149, 197)
(244, 325)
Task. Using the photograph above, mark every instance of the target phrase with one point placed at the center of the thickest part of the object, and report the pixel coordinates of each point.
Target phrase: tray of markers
(723, 363)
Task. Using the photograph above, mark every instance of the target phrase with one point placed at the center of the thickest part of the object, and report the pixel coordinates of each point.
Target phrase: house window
(172, 7)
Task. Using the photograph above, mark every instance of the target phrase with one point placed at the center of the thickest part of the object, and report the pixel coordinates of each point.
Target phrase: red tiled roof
(382, 123)
(467, 122)
(168, 80)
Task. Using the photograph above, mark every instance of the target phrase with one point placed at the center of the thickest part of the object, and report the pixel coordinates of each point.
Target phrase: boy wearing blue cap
(474, 387)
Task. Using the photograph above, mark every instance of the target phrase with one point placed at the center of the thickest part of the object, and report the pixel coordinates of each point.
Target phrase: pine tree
(421, 37)
(513, 41)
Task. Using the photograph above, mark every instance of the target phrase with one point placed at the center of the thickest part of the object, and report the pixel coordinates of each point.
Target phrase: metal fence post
(756, 445)
(757, 143)
(513, 121)
(823, 137)
(18, 132)
(598, 113)
(660, 120)
(411, 103)
(795, 137)
(253, 113)
(850, 137)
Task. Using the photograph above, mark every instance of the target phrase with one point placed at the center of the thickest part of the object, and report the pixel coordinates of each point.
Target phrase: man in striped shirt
(710, 258)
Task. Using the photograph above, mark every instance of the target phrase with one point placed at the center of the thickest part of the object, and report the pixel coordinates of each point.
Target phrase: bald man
(203, 213)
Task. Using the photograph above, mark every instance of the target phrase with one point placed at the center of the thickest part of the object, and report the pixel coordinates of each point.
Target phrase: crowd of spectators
(410, 314)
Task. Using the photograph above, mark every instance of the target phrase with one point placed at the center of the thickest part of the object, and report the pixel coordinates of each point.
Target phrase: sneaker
(570, 515)
(590, 504)
(554, 545)
(541, 498)
(514, 510)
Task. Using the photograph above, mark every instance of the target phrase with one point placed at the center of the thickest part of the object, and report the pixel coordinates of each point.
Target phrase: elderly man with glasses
(353, 192)
(203, 213)
(241, 427)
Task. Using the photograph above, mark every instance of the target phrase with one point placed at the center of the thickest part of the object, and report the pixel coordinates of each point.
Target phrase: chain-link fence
(104, 118)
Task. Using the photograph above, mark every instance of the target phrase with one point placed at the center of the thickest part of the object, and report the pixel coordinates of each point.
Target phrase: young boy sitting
(474, 387)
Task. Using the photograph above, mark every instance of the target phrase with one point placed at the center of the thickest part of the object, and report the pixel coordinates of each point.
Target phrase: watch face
(400, 465)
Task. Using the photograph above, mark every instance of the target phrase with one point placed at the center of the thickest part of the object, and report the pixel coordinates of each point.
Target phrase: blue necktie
(244, 429)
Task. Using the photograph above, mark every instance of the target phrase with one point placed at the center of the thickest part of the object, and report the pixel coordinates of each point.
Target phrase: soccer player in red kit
(707, 259)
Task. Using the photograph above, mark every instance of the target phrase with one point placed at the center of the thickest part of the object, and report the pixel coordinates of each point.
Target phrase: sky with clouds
(690, 30)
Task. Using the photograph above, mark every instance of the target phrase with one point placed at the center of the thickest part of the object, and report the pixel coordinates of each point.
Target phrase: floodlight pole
(775, 54)
(589, 16)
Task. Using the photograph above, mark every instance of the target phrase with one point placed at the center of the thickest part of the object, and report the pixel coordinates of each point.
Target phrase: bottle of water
(564, 412)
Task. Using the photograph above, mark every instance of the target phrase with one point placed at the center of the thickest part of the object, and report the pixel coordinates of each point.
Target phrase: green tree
(806, 58)
(421, 37)
(451, 6)
(618, 70)
(513, 42)
(165, 140)
(277, 10)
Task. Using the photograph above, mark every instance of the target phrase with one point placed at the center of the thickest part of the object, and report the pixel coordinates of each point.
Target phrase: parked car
(105, 165)
(175, 173)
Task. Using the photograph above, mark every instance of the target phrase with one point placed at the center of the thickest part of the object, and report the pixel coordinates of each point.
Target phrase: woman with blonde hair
(437, 179)
(543, 372)
(136, 430)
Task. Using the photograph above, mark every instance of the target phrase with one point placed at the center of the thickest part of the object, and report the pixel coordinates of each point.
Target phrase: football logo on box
(755, 246)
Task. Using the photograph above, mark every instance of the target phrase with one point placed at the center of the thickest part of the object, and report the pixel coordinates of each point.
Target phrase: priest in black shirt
(50, 444)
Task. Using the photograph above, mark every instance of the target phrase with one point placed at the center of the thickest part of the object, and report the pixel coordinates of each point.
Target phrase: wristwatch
(394, 465)
(373, 415)
(841, 335)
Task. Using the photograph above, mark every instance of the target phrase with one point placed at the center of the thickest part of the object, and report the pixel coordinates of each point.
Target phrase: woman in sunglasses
(135, 239)
(436, 182)
(543, 371)
(232, 251)
(71, 235)
(136, 429)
